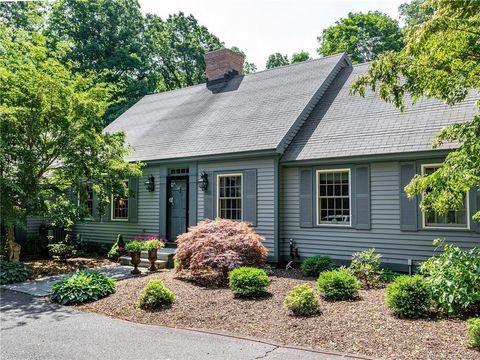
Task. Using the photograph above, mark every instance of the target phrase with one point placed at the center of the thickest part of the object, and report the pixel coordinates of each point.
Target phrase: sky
(262, 27)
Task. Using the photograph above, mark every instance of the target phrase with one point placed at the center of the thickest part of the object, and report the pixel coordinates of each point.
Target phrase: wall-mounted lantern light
(203, 183)
(150, 184)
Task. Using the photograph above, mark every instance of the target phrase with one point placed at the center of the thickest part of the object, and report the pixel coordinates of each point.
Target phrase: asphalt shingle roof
(342, 125)
(254, 112)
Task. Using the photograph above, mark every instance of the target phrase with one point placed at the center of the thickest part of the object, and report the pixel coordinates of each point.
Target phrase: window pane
(230, 197)
(334, 200)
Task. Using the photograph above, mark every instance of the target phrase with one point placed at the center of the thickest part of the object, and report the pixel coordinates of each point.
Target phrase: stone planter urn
(152, 257)
(135, 260)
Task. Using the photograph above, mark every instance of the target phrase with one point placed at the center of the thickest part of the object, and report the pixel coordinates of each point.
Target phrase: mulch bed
(358, 327)
(43, 268)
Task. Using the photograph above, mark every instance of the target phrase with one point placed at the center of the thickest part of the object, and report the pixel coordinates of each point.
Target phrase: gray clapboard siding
(265, 192)
(396, 246)
(33, 224)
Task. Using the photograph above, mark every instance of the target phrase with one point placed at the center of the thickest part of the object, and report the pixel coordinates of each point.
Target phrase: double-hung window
(452, 218)
(89, 199)
(333, 197)
(229, 196)
(120, 207)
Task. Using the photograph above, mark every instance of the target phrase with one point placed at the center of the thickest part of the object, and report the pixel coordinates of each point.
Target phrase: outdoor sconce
(203, 183)
(150, 184)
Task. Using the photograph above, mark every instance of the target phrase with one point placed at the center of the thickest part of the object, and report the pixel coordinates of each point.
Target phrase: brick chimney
(223, 64)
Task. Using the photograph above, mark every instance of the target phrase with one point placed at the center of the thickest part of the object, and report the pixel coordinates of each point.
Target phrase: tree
(362, 36)
(52, 144)
(299, 57)
(276, 60)
(441, 59)
(26, 15)
(177, 46)
(415, 12)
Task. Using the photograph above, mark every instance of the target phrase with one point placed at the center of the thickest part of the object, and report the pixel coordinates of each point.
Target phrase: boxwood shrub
(409, 296)
(338, 285)
(473, 328)
(248, 281)
(81, 287)
(302, 301)
(12, 271)
(314, 265)
(155, 295)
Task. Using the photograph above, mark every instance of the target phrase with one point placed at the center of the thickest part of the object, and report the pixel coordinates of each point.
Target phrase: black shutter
(208, 197)
(408, 207)
(250, 200)
(362, 198)
(306, 198)
(133, 199)
(474, 203)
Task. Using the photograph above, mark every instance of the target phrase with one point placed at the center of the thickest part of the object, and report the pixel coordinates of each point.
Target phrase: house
(289, 150)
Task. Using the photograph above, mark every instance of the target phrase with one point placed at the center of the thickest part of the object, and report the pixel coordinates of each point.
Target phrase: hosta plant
(12, 271)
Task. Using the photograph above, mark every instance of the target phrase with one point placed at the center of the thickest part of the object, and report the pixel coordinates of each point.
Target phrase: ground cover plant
(248, 281)
(314, 265)
(155, 296)
(302, 301)
(12, 271)
(81, 287)
(409, 296)
(338, 285)
(208, 251)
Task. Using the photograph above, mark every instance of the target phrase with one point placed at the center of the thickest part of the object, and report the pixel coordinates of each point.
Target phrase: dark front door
(177, 206)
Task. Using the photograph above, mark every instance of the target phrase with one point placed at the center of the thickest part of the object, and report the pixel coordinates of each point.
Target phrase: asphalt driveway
(33, 328)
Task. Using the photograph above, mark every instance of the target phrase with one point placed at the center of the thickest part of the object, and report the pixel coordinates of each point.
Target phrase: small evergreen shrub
(314, 265)
(302, 301)
(338, 285)
(63, 250)
(365, 266)
(12, 271)
(211, 249)
(248, 281)
(154, 296)
(409, 296)
(81, 287)
(473, 329)
(117, 249)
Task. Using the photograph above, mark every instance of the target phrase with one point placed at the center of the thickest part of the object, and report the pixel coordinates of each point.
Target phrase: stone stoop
(164, 259)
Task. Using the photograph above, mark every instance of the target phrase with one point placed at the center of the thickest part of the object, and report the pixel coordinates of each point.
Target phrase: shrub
(135, 246)
(454, 278)
(314, 265)
(12, 271)
(365, 266)
(81, 287)
(207, 252)
(117, 249)
(155, 295)
(248, 281)
(473, 328)
(409, 296)
(389, 275)
(338, 285)
(302, 301)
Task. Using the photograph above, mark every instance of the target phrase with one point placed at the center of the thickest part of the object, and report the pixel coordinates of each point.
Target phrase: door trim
(187, 195)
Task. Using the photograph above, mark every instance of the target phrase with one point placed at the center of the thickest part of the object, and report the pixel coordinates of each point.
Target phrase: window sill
(333, 226)
(119, 220)
(444, 228)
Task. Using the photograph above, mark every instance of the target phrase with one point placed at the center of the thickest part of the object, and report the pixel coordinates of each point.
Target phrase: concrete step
(126, 260)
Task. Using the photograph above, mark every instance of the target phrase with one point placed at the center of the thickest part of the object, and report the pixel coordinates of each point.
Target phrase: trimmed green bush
(409, 296)
(302, 301)
(365, 266)
(12, 271)
(473, 328)
(338, 285)
(155, 295)
(314, 265)
(81, 287)
(248, 281)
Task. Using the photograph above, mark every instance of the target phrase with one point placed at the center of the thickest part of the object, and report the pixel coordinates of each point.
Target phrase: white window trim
(218, 192)
(112, 210)
(317, 195)
(440, 227)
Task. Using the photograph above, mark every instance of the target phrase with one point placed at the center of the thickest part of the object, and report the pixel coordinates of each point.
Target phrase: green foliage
(314, 265)
(302, 301)
(440, 60)
(36, 245)
(338, 285)
(117, 249)
(26, 15)
(415, 12)
(362, 36)
(81, 287)
(12, 271)
(454, 277)
(365, 266)
(248, 67)
(248, 281)
(389, 275)
(155, 296)
(153, 244)
(409, 296)
(473, 328)
(300, 56)
(135, 246)
(276, 60)
(62, 250)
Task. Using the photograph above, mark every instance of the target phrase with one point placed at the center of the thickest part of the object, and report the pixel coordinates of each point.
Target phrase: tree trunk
(13, 248)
